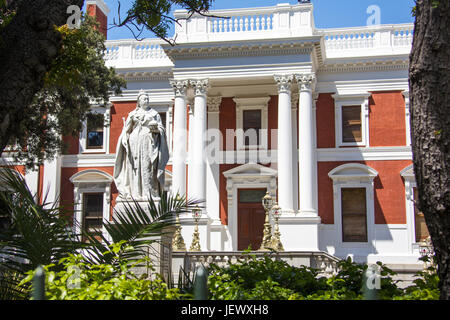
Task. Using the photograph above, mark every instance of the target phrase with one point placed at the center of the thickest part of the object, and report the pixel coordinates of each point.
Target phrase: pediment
(250, 169)
(408, 173)
(353, 171)
(91, 176)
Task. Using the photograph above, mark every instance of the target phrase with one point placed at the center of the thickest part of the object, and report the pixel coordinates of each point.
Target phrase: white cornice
(242, 48)
(365, 66)
(364, 154)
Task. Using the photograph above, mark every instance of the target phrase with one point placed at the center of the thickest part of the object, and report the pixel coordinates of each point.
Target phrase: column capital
(306, 81)
(213, 103)
(284, 82)
(200, 86)
(180, 87)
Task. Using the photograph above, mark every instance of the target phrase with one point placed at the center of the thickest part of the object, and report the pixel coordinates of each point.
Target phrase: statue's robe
(141, 156)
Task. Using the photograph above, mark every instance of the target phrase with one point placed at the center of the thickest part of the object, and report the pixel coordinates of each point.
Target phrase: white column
(216, 241)
(190, 143)
(197, 150)
(307, 150)
(294, 104)
(285, 172)
(179, 137)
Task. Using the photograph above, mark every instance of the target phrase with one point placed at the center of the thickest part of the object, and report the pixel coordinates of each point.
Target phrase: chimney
(99, 10)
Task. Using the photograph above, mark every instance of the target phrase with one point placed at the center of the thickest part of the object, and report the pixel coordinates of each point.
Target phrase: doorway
(251, 217)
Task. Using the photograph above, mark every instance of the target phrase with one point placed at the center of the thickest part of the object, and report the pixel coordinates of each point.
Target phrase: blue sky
(327, 13)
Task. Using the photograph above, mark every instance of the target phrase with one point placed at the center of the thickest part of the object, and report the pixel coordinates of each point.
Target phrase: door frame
(246, 176)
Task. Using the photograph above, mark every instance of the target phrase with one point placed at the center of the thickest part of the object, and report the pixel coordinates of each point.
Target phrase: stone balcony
(280, 22)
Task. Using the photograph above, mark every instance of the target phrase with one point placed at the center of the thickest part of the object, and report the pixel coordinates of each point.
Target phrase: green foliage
(154, 15)
(276, 280)
(35, 234)
(75, 279)
(41, 234)
(77, 79)
(426, 285)
(253, 277)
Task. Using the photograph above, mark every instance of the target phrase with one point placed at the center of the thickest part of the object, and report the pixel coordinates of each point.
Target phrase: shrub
(253, 278)
(266, 278)
(425, 287)
(79, 280)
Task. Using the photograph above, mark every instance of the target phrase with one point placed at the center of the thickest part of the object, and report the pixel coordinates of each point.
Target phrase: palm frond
(139, 226)
(37, 234)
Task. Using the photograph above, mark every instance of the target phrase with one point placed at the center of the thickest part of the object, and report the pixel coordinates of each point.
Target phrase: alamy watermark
(74, 20)
(374, 13)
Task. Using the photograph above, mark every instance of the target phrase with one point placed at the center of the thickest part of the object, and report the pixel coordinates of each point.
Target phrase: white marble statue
(141, 154)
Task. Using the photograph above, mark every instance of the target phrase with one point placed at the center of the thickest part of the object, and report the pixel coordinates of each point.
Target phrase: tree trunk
(429, 83)
(28, 45)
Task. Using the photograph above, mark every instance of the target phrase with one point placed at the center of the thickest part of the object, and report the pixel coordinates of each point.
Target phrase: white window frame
(352, 100)
(252, 103)
(354, 175)
(90, 181)
(106, 111)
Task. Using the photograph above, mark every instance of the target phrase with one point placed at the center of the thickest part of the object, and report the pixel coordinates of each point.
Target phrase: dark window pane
(351, 124)
(251, 196)
(95, 123)
(354, 215)
(252, 127)
(95, 140)
(93, 213)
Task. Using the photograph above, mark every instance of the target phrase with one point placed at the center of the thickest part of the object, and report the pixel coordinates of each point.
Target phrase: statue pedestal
(123, 205)
(160, 251)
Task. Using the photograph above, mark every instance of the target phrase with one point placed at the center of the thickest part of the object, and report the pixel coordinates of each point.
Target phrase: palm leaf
(37, 234)
(139, 226)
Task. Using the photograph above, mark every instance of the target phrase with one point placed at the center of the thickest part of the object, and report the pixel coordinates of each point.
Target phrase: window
(92, 200)
(352, 120)
(251, 196)
(354, 214)
(351, 124)
(95, 126)
(353, 204)
(421, 229)
(93, 213)
(94, 137)
(252, 127)
(251, 123)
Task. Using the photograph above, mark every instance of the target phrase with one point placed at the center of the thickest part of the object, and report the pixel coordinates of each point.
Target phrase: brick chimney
(99, 10)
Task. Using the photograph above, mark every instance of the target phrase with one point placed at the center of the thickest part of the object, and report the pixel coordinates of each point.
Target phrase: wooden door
(251, 217)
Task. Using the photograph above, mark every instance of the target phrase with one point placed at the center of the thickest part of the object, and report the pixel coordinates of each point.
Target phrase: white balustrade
(131, 53)
(383, 39)
(249, 23)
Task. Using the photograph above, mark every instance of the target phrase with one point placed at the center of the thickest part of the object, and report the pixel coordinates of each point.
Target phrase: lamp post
(195, 245)
(267, 202)
(178, 241)
(276, 241)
